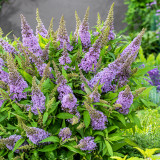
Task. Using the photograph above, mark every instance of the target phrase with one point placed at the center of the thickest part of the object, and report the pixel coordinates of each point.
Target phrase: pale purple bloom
(7, 47)
(4, 76)
(11, 141)
(64, 59)
(62, 36)
(17, 84)
(91, 57)
(68, 102)
(98, 119)
(65, 133)
(84, 32)
(29, 39)
(87, 144)
(38, 100)
(158, 10)
(105, 77)
(95, 96)
(63, 90)
(36, 135)
(154, 74)
(125, 99)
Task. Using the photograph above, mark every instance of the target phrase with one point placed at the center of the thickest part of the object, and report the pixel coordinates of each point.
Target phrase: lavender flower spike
(38, 98)
(64, 59)
(87, 144)
(3, 75)
(36, 135)
(62, 35)
(91, 57)
(98, 119)
(125, 99)
(28, 38)
(65, 133)
(78, 23)
(69, 102)
(7, 47)
(84, 31)
(16, 82)
(11, 141)
(40, 29)
(109, 23)
(134, 45)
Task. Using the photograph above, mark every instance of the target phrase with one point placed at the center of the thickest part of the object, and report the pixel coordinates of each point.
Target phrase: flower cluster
(87, 144)
(11, 141)
(84, 31)
(36, 135)
(29, 39)
(40, 29)
(62, 35)
(89, 62)
(125, 99)
(38, 99)
(7, 47)
(65, 133)
(155, 77)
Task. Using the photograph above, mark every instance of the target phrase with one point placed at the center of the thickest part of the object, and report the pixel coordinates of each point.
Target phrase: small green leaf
(75, 150)
(109, 148)
(64, 115)
(87, 118)
(26, 76)
(50, 139)
(48, 148)
(45, 117)
(18, 144)
(64, 73)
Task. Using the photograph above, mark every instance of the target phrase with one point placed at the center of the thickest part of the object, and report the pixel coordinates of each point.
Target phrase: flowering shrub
(67, 97)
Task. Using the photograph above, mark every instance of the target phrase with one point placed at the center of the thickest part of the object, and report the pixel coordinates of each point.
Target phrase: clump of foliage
(147, 154)
(67, 97)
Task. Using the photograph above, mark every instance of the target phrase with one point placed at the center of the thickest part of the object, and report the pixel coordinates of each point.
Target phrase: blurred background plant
(2, 2)
(144, 14)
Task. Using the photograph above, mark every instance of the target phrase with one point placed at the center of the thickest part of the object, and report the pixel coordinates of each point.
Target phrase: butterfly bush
(66, 91)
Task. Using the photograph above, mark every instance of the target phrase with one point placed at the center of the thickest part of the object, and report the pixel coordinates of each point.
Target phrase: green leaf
(50, 139)
(48, 148)
(75, 150)
(87, 118)
(109, 148)
(131, 143)
(115, 138)
(64, 115)
(18, 144)
(45, 117)
(99, 133)
(110, 129)
(120, 117)
(26, 76)
(64, 73)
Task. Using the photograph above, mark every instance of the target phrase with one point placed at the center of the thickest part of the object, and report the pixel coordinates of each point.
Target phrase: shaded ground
(10, 14)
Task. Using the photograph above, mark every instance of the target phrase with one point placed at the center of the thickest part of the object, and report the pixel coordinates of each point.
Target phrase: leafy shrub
(67, 98)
